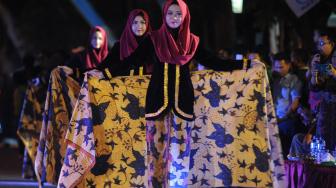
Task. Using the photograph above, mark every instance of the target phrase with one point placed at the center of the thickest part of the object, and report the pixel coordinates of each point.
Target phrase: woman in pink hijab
(136, 29)
(95, 53)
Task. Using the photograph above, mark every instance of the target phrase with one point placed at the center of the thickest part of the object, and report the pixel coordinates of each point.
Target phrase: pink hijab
(95, 56)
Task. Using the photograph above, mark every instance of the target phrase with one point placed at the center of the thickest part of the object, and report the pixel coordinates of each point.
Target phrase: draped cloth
(61, 98)
(308, 175)
(232, 142)
(30, 121)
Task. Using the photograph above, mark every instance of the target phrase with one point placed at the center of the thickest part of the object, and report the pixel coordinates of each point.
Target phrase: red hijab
(128, 42)
(95, 56)
(183, 49)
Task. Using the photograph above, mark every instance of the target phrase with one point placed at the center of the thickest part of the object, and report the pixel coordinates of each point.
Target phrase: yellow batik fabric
(61, 98)
(106, 137)
(235, 139)
(31, 116)
(232, 142)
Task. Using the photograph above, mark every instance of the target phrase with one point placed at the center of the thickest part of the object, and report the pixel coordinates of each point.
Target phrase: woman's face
(174, 16)
(97, 40)
(139, 26)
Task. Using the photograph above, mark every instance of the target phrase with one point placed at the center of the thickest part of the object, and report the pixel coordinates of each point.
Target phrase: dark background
(48, 25)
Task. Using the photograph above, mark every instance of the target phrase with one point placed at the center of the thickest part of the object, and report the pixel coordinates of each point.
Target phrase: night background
(37, 26)
(51, 30)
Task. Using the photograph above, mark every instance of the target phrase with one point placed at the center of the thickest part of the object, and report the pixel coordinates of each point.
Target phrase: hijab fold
(93, 56)
(181, 50)
(128, 41)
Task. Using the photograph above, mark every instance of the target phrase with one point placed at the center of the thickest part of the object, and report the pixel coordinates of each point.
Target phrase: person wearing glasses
(323, 80)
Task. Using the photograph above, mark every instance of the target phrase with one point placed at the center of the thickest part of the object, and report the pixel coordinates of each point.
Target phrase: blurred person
(257, 53)
(286, 91)
(20, 77)
(224, 54)
(93, 55)
(300, 146)
(299, 58)
(323, 81)
(28, 70)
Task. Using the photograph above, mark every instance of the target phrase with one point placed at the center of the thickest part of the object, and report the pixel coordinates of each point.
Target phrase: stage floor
(10, 170)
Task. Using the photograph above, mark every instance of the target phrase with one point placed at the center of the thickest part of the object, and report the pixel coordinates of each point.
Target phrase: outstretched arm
(210, 60)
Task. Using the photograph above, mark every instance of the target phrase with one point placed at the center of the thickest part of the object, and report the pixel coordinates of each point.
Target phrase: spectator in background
(300, 146)
(299, 58)
(323, 80)
(224, 54)
(259, 53)
(28, 71)
(286, 93)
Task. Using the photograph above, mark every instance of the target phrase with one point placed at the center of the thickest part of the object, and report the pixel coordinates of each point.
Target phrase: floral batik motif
(30, 121)
(61, 98)
(168, 151)
(106, 142)
(233, 141)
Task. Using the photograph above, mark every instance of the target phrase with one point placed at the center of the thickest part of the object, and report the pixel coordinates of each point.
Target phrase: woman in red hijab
(169, 50)
(95, 53)
(136, 29)
(170, 94)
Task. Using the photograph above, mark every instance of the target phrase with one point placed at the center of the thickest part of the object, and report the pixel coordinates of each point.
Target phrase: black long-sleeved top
(77, 64)
(170, 86)
(121, 67)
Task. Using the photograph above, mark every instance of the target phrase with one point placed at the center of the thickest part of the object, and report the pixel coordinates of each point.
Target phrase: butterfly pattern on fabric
(61, 98)
(31, 117)
(113, 140)
(234, 138)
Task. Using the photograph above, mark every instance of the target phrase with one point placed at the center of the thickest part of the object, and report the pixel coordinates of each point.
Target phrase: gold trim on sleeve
(131, 72)
(108, 74)
(141, 71)
(165, 93)
(177, 88)
(77, 73)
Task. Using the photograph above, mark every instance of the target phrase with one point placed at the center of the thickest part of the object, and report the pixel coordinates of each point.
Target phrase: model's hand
(256, 62)
(307, 138)
(314, 78)
(316, 59)
(331, 71)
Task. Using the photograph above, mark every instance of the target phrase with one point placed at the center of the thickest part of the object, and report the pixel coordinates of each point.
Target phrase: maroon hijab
(128, 42)
(183, 49)
(95, 56)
